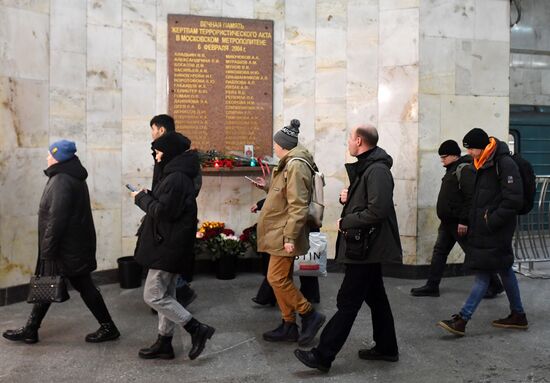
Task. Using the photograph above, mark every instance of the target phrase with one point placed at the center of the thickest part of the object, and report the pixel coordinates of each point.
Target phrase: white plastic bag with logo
(314, 263)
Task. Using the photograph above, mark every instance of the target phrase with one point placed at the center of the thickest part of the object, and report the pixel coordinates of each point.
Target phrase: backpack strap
(458, 171)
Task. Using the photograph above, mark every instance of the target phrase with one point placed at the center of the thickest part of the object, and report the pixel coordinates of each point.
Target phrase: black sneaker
(372, 354)
(425, 291)
(308, 358)
(107, 331)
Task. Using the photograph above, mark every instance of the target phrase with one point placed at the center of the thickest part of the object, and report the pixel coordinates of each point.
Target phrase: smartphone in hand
(131, 187)
(251, 180)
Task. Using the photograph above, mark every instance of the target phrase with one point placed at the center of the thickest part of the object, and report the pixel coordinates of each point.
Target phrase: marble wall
(94, 71)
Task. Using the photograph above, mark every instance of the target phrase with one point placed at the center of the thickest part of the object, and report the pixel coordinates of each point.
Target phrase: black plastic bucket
(129, 273)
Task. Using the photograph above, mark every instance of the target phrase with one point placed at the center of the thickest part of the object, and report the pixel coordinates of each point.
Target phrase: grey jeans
(160, 294)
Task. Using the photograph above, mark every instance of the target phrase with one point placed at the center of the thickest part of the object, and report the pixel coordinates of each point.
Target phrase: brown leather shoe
(514, 320)
(456, 325)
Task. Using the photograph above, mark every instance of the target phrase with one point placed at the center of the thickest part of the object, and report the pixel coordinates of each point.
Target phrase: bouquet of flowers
(249, 237)
(218, 240)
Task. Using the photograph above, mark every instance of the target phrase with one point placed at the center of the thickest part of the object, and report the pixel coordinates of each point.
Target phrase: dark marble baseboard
(19, 293)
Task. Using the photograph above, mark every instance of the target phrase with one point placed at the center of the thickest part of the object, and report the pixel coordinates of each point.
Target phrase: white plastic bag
(314, 263)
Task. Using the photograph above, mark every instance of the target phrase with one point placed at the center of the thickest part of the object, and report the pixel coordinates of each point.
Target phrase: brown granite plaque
(220, 74)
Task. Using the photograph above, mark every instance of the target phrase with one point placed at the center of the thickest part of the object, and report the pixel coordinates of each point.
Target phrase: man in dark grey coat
(368, 236)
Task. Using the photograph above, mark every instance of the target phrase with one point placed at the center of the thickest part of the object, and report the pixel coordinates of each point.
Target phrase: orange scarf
(487, 152)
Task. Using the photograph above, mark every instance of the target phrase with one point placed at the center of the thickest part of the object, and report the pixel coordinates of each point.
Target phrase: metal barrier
(532, 236)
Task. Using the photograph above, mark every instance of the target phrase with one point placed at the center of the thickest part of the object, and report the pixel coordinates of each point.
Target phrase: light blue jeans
(160, 293)
(479, 289)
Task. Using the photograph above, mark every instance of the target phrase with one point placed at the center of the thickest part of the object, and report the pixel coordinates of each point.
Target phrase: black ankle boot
(29, 333)
(161, 349)
(286, 332)
(107, 331)
(200, 333)
(311, 324)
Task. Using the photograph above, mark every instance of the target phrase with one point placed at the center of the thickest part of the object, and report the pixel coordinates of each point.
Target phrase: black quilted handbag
(47, 288)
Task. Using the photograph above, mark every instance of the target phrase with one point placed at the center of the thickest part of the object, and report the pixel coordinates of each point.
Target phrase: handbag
(358, 242)
(47, 288)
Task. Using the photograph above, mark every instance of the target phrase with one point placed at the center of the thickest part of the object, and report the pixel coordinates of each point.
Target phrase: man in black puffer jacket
(67, 241)
(453, 209)
(168, 230)
(498, 196)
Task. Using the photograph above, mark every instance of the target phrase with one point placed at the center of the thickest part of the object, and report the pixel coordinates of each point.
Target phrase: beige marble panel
(105, 13)
(22, 180)
(408, 244)
(104, 59)
(400, 141)
(24, 108)
(459, 114)
(104, 181)
(206, 7)
(405, 201)
(437, 65)
(331, 144)
(41, 6)
(109, 237)
(269, 9)
(128, 246)
(18, 39)
(429, 179)
(137, 161)
(103, 118)
(427, 235)
(399, 35)
(139, 25)
(429, 122)
(241, 9)
(67, 70)
(492, 20)
(449, 18)
(19, 238)
(398, 94)
(138, 100)
(67, 103)
(479, 69)
(398, 4)
(68, 25)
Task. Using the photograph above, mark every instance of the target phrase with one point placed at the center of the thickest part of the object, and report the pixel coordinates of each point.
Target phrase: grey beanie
(287, 137)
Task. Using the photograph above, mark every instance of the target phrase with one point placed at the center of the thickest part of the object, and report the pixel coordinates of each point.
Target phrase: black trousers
(309, 286)
(362, 283)
(447, 237)
(90, 295)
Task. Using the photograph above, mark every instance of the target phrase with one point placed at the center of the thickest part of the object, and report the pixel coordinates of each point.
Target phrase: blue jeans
(479, 289)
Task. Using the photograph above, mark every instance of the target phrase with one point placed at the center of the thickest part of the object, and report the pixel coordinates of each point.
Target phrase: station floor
(237, 352)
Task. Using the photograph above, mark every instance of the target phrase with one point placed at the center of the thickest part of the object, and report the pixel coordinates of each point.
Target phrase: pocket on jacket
(359, 241)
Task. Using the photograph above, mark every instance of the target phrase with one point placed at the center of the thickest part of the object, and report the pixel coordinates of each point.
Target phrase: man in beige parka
(283, 232)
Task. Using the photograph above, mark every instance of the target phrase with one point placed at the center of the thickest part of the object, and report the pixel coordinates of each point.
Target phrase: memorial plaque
(220, 74)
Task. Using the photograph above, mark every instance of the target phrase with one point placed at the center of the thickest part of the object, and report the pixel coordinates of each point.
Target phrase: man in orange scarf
(498, 196)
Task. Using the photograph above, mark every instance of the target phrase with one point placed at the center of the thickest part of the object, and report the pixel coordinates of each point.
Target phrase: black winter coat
(66, 230)
(370, 204)
(169, 228)
(455, 199)
(496, 201)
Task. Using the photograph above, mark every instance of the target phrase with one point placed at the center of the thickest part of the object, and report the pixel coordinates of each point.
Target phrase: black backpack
(529, 181)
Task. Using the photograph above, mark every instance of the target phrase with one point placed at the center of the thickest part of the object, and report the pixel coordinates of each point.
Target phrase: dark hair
(165, 121)
(368, 133)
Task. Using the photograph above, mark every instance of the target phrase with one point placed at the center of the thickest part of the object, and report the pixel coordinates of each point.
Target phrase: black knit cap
(475, 139)
(449, 148)
(287, 137)
(171, 144)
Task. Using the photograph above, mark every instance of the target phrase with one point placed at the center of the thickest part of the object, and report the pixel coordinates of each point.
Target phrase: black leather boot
(161, 349)
(311, 324)
(29, 333)
(286, 332)
(106, 331)
(200, 333)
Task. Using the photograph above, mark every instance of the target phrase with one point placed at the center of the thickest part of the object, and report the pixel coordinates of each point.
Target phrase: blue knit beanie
(63, 150)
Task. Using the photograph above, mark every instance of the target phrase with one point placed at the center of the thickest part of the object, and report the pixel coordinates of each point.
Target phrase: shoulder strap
(303, 160)
(458, 171)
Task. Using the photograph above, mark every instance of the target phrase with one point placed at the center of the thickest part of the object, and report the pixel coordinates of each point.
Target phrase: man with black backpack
(453, 209)
(497, 200)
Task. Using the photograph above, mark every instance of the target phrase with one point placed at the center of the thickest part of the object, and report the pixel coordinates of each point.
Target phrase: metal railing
(532, 236)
